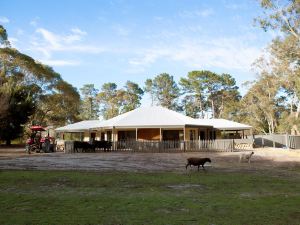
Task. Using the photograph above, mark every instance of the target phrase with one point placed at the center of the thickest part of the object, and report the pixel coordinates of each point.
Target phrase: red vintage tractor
(37, 143)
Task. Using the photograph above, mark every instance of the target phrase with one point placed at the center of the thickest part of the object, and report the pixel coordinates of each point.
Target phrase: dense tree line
(273, 100)
(200, 94)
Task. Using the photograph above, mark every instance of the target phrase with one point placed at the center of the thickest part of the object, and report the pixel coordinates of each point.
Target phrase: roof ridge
(179, 115)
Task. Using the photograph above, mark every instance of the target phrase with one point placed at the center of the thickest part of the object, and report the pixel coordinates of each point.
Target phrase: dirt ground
(263, 159)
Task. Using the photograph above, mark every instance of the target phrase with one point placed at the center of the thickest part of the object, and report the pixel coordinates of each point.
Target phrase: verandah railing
(222, 145)
(172, 146)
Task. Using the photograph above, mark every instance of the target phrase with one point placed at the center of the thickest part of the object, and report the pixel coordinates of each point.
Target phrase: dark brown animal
(82, 146)
(197, 162)
(106, 145)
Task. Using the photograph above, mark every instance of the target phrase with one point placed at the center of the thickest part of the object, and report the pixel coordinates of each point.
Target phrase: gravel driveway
(262, 159)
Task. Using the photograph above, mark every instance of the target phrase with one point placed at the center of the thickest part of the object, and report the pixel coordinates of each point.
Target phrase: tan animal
(245, 156)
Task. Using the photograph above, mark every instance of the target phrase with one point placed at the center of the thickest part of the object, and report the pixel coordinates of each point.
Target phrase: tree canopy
(114, 101)
(32, 92)
(283, 59)
(89, 109)
(207, 91)
(164, 90)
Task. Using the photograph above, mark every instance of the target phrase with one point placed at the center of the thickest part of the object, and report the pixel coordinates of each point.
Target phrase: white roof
(152, 117)
(148, 117)
(80, 126)
(223, 124)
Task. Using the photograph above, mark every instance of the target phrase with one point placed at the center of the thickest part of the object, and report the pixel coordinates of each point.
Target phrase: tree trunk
(221, 108)
(91, 109)
(212, 109)
(201, 109)
(296, 115)
(272, 126)
(269, 125)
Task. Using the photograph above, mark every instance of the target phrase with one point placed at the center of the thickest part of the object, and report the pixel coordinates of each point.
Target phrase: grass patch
(62, 197)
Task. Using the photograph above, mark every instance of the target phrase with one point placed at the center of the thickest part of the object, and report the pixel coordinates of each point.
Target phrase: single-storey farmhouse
(151, 124)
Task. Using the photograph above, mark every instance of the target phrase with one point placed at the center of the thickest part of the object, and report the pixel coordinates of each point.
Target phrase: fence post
(273, 141)
(287, 141)
(115, 145)
(232, 149)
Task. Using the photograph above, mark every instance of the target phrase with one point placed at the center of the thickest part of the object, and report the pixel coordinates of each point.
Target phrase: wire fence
(277, 141)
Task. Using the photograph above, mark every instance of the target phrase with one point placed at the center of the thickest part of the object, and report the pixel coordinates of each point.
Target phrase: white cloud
(149, 56)
(50, 38)
(48, 42)
(47, 46)
(224, 53)
(59, 41)
(4, 19)
(78, 31)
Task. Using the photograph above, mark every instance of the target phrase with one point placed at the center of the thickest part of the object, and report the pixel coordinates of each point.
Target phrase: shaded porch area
(187, 133)
(157, 139)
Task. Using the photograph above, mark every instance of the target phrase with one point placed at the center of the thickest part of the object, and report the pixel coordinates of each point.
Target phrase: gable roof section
(80, 126)
(150, 117)
(222, 124)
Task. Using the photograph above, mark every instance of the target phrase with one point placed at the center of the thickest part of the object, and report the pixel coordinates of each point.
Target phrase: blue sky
(119, 40)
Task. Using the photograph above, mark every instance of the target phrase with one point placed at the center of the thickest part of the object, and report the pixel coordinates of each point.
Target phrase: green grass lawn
(65, 197)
